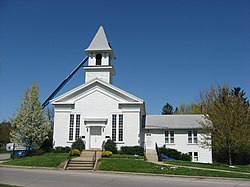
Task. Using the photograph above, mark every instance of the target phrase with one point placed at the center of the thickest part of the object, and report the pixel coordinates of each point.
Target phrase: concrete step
(81, 165)
(151, 155)
(81, 161)
(79, 168)
(87, 154)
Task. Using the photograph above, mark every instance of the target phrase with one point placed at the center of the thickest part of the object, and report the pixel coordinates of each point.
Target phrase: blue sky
(166, 50)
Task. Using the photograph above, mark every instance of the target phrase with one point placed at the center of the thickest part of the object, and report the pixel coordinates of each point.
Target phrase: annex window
(114, 127)
(98, 59)
(71, 127)
(195, 156)
(169, 137)
(192, 137)
(77, 132)
(117, 127)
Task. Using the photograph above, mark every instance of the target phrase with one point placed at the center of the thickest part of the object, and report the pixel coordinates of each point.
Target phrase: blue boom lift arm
(46, 102)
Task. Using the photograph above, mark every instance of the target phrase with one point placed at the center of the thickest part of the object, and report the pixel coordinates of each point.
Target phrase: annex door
(95, 137)
(148, 140)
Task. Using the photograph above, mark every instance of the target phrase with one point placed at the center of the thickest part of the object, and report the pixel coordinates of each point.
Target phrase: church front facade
(97, 110)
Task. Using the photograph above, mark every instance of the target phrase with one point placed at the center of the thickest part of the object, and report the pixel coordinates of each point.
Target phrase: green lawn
(7, 185)
(141, 166)
(126, 156)
(211, 166)
(45, 160)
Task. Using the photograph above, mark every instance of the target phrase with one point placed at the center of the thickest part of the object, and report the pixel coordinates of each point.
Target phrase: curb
(30, 167)
(128, 173)
(168, 175)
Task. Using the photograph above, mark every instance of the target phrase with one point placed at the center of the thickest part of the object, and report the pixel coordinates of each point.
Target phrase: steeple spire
(100, 55)
(100, 43)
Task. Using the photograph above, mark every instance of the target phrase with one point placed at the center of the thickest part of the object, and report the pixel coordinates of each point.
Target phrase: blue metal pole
(46, 102)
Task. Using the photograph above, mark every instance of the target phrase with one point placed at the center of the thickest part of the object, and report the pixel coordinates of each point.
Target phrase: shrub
(47, 145)
(106, 153)
(132, 150)
(78, 144)
(186, 157)
(61, 149)
(35, 152)
(74, 152)
(173, 153)
(110, 145)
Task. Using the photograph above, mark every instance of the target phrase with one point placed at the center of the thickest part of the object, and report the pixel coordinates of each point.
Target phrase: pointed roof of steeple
(100, 43)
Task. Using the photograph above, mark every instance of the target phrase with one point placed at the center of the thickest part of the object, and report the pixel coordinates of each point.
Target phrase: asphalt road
(42, 178)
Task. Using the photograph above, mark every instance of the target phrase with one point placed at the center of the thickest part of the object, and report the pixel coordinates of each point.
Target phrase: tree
(192, 108)
(5, 128)
(30, 124)
(167, 109)
(228, 123)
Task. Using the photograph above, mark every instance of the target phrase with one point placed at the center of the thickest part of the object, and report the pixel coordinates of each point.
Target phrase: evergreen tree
(30, 124)
(167, 109)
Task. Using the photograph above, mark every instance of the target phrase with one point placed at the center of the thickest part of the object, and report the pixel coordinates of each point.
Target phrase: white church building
(97, 111)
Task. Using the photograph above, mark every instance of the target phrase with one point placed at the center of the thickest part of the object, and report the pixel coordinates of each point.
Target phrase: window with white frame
(120, 134)
(114, 127)
(74, 126)
(194, 156)
(77, 132)
(71, 127)
(117, 127)
(169, 137)
(192, 136)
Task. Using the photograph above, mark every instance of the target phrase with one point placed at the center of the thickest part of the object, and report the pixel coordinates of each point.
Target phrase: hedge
(132, 150)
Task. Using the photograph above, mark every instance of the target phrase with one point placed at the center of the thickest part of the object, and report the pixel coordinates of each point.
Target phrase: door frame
(146, 134)
(91, 138)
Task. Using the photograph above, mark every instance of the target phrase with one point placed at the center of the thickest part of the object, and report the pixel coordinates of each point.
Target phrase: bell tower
(100, 56)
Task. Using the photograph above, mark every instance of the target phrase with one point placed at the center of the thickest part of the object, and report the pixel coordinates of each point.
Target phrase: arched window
(98, 59)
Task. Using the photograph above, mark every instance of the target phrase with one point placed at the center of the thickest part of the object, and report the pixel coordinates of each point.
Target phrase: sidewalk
(4, 156)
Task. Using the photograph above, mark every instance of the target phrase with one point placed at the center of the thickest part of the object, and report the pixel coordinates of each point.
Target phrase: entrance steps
(86, 161)
(151, 155)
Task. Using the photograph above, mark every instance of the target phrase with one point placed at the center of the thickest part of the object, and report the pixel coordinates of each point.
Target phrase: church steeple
(100, 56)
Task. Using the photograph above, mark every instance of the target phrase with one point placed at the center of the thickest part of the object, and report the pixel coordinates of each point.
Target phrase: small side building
(181, 132)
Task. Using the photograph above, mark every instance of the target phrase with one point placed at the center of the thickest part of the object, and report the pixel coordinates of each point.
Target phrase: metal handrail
(158, 152)
(94, 159)
(103, 144)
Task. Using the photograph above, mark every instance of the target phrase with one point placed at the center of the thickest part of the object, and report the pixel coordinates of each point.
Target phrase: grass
(7, 185)
(141, 166)
(211, 166)
(45, 160)
(126, 156)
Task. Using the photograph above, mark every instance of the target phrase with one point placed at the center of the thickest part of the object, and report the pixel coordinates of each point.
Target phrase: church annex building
(97, 111)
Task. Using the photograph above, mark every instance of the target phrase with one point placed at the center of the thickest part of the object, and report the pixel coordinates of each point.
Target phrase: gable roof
(174, 121)
(73, 95)
(100, 43)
